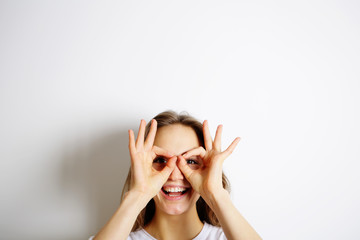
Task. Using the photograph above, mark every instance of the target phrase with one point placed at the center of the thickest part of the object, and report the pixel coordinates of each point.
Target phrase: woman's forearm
(232, 222)
(121, 223)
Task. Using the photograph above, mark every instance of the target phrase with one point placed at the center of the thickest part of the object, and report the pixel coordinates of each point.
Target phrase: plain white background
(282, 75)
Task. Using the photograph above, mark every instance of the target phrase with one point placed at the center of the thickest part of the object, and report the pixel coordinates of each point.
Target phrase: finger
(231, 148)
(161, 152)
(131, 141)
(207, 136)
(151, 136)
(167, 170)
(140, 136)
(199, 151)
(184, 168)
(217, 140)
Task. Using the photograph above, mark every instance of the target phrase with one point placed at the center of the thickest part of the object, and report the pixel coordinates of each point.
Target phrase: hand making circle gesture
(144, 178)
(207, 179)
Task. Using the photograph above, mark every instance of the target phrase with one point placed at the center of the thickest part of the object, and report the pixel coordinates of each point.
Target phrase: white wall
(283, 75)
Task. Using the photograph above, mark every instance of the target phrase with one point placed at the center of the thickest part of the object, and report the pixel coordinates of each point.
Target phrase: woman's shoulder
(211, 232)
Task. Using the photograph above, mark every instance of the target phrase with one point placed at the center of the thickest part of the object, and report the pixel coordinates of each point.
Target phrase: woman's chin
(175, 210)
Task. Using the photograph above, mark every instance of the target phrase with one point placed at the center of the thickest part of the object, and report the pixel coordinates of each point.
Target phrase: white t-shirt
(208, 232)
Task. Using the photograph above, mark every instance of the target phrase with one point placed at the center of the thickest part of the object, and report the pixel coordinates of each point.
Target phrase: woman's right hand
(144, 178)
(145, 183)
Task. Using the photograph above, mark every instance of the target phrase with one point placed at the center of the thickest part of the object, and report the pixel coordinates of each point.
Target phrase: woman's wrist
(216, 197)
(139, 199)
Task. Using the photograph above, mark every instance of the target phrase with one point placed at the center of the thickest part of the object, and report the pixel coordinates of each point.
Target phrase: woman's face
(176, 196)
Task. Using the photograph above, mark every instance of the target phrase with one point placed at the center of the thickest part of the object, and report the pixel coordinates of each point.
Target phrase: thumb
(184, 168)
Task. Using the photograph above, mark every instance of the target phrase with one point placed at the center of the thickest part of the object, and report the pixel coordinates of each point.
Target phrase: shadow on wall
(94, 174)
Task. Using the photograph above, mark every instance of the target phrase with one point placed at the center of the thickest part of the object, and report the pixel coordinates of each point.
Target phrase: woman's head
(177, 133)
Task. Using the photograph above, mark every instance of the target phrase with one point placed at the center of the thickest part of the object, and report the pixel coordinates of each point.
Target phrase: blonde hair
(204, 211)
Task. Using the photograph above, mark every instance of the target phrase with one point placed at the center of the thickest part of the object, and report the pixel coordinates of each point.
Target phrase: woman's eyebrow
(193, 156)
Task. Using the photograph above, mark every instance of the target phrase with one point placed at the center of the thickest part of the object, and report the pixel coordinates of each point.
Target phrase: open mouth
(174, 191)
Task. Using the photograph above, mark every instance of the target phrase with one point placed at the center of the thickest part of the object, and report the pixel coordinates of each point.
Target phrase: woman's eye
(190, 161)
(159, 160)
(159, 163)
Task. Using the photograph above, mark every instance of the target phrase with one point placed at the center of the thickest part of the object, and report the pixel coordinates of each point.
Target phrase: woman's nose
(176, 174)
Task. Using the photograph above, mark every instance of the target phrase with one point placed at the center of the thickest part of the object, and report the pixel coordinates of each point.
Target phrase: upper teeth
(175, 189)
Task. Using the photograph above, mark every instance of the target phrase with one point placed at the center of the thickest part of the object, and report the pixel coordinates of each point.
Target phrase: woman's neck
(176, 227)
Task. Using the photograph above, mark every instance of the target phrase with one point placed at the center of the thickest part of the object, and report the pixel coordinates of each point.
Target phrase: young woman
(176, 188)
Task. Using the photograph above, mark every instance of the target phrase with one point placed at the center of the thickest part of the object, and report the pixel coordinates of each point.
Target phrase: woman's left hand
(207, 179)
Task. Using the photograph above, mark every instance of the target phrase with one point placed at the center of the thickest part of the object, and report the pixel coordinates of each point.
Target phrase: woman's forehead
(176, 138)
